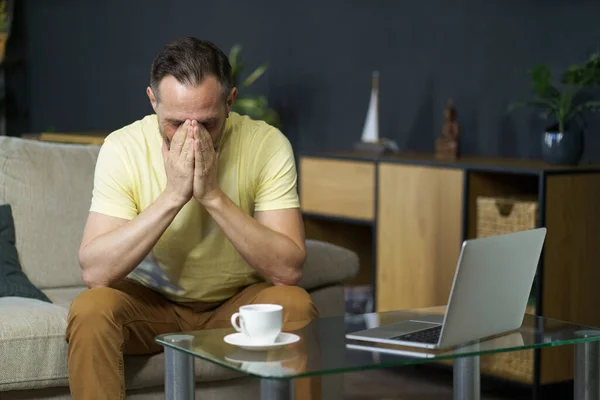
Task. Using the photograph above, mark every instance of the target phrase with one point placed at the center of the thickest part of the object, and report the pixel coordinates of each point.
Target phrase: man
(194, 212)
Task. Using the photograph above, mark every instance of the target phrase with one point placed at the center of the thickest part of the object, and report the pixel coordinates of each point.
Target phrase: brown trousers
(105, 323)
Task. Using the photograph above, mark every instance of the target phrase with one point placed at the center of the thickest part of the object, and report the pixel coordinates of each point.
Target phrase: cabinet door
(419, 232)
(571, 276)
(338, 188)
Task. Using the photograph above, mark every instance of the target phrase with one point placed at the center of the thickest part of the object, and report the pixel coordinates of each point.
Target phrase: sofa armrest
(327, 264)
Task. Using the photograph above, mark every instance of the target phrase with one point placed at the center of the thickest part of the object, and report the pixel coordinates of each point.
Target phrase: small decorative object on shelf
(446, 145)
(370, 140)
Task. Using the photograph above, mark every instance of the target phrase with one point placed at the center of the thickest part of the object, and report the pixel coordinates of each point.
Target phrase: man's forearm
(113, 255)
(271, 253)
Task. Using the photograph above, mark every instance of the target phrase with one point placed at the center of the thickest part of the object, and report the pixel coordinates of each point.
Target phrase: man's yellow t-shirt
(194, 260)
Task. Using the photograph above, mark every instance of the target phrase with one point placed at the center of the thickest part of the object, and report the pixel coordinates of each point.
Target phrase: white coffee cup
(260, 323)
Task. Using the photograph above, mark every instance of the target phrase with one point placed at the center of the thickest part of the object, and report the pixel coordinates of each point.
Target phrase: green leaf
(590, 71)
(541, 79)
(249, 105)
(592, 106)
(271, 118)
(552, 94)
(536, 102)
(566, 101)
(255, 75)
(258, 101)
(588, 74)
(256, 108)
(233, 56)
(571, 75)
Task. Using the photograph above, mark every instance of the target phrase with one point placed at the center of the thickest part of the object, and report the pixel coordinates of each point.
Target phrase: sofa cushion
(13, 281)
(327, 264)
(33, 349)
(148, 371)
(49, 186)
(64, 296)
(32, 343)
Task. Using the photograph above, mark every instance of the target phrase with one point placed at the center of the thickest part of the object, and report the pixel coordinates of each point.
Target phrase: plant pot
(560, 148)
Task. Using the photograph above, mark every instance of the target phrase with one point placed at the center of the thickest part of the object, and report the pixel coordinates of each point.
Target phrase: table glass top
(323, 347)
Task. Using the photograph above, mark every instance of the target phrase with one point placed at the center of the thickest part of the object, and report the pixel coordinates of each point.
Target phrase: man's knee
(94, 310)
(297, 303)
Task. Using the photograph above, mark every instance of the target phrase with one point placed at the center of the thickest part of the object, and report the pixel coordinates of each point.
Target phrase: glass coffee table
(323, 349)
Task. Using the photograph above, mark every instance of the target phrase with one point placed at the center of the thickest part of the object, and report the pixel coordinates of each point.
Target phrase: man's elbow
(293, 273)
(290, 279)
(91, 281)
(88, 275)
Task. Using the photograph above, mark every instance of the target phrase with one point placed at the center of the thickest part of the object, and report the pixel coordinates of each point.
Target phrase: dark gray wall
(87, 63)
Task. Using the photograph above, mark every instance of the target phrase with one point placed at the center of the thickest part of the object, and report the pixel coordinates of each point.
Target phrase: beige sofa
(49, 187)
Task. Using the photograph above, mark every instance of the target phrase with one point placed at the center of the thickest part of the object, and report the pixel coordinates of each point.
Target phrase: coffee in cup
(260, 323)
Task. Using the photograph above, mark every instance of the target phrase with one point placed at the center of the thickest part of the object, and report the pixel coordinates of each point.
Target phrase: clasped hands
(191, 164)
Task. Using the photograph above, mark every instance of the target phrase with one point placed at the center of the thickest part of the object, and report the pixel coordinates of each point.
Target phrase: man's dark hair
(190, 60)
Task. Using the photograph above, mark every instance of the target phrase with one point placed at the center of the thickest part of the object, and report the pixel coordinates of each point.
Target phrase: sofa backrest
(49, 187)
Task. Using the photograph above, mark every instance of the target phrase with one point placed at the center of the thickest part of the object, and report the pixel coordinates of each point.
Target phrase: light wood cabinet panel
(419, 233)
(338, 188)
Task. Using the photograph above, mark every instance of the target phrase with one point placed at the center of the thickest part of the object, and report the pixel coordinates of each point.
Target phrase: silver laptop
(489, 295)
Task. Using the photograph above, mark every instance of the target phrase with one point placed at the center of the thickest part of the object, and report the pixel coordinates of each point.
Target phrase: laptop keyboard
(429, 335)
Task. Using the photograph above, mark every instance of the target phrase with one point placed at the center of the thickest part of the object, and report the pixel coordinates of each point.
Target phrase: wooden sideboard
(406, 216)
(95, 138)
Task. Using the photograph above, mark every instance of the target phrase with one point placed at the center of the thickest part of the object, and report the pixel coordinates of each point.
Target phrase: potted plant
(564, 103)
(256, 107)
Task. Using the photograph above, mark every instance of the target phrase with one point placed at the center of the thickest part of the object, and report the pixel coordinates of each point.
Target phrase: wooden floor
(416, 382)
(419, 383)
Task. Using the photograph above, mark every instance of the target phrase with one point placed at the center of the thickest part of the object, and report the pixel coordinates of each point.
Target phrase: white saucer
(240, 340)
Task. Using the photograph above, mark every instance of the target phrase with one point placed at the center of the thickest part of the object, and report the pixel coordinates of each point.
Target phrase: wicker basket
(496, 216)
(499, 215)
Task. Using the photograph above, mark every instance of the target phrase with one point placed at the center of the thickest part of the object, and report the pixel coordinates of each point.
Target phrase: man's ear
(152, 98)
(231, 98)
